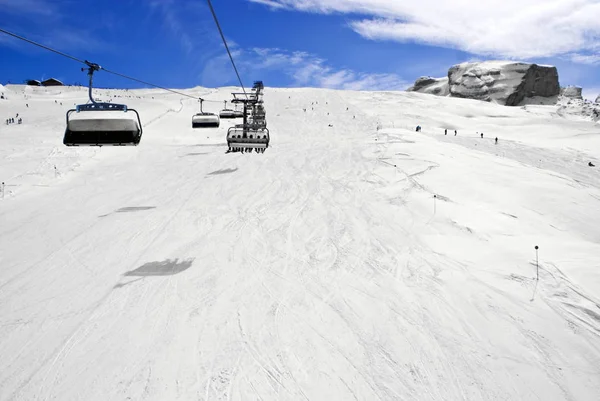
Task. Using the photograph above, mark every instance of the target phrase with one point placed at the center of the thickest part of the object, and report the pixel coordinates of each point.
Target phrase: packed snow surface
(357, 261)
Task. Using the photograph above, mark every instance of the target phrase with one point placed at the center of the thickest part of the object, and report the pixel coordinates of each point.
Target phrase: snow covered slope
(323, 269)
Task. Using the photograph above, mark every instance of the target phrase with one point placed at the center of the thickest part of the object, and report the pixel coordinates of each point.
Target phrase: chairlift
(238, 113)
(245, 138)
(204, 119)
(253, 134)
(227, 113)
(102, 124)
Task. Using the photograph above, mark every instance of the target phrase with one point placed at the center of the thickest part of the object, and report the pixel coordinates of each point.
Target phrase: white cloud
(304, 69)
(309, 70)
(507, 28)
(591, 59)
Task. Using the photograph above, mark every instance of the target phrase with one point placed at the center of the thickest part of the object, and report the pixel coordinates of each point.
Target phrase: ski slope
(323, 269)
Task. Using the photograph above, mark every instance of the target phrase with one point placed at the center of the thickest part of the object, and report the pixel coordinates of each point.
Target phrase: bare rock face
(504, 82)
(433, 86)
(573, 92)
(597, 99)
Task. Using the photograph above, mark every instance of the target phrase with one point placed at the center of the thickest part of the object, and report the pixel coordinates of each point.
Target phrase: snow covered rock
(433, 86)
(597, 99)
(573, 92)
(503, 82)
(576, 108)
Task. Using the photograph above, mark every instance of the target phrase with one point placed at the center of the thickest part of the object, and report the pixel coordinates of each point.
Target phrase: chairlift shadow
(129, 209)
(168, 267)
(134, 209)
(224, 171)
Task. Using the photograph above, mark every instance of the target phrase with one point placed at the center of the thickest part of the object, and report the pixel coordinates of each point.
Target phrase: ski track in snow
(321, 269)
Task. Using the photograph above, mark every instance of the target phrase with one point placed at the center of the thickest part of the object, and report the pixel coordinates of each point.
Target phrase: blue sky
(352, 44)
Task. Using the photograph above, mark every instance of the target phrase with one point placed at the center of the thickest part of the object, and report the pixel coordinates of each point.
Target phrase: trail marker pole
(434, 205)
(2, 189)
(537, 265)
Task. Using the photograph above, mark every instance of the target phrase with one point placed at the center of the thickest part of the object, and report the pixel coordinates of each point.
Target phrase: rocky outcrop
(577, 108)
(597, 99)
(505, 82)
(573, 92)
(433, 86)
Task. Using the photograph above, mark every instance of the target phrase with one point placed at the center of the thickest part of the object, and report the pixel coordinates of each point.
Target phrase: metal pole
(434, 206)
(537, 263)
(2, 189)
(91, 74)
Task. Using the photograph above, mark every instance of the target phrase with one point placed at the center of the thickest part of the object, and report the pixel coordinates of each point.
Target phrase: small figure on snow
(496, 140)
(591, 164)
(482, 134)
(445, 132)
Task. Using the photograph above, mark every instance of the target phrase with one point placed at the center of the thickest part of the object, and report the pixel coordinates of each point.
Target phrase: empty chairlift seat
(205, 120)
(103, 124)
(227, 113)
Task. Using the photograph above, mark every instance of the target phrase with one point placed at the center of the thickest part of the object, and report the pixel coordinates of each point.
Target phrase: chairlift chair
(204, 119)
(102, 124)
(227, 113)
(245, 138)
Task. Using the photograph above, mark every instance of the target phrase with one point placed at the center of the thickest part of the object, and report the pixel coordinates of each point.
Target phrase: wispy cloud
(590, 59)
(29, 7)
(304, 69)
(507, 28)
(44, 21)
(174, 24)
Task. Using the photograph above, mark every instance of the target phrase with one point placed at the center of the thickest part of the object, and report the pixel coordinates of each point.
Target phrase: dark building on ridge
(33, 82)
(52, 82)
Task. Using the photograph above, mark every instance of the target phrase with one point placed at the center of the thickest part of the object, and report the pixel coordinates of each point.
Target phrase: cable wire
(212, 10)
(101, 68)
(42, 46)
